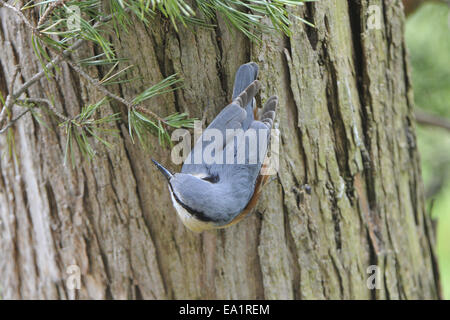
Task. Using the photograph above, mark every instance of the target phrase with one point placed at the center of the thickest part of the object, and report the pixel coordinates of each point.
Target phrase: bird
(219, 194)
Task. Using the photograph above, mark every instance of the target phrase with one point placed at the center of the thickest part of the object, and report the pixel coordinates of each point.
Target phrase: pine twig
(13, 96)
(48, 103)
(428, 119)
(13, 121)
(49, 11)
(35, 101)
(97, 84)
(20, 14)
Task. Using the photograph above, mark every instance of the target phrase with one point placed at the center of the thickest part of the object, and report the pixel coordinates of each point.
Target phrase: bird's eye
(212, 179)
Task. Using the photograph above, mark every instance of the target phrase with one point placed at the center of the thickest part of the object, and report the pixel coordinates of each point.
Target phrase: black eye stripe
(212, 179)
(197, 214)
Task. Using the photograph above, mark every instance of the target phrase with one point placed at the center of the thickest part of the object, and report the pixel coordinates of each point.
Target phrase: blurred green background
(428, 41)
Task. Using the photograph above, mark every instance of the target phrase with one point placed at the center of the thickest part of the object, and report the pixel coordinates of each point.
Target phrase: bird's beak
(163, 170)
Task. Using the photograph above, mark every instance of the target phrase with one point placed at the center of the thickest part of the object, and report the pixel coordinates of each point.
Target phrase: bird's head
(193, 197)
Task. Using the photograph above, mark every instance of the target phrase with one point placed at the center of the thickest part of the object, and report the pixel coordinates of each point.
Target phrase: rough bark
(347, 131)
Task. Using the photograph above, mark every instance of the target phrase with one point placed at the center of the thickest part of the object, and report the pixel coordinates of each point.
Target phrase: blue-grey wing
(256, 141)
(239, 179)
(231, 117)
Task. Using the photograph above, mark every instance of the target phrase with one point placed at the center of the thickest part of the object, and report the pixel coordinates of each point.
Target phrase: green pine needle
(86, 125)
(141, 126)
(162, 87)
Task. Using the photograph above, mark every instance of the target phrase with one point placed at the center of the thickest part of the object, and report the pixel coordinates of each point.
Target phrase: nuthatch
(218, 195)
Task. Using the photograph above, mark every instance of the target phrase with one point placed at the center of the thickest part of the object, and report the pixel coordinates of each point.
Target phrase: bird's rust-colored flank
(260, 183)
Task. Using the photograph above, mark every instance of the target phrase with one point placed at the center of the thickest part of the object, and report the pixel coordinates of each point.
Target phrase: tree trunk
(347, 132)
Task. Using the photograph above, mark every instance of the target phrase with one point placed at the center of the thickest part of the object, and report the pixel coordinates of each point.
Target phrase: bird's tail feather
(245, 75)
(268, 112)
